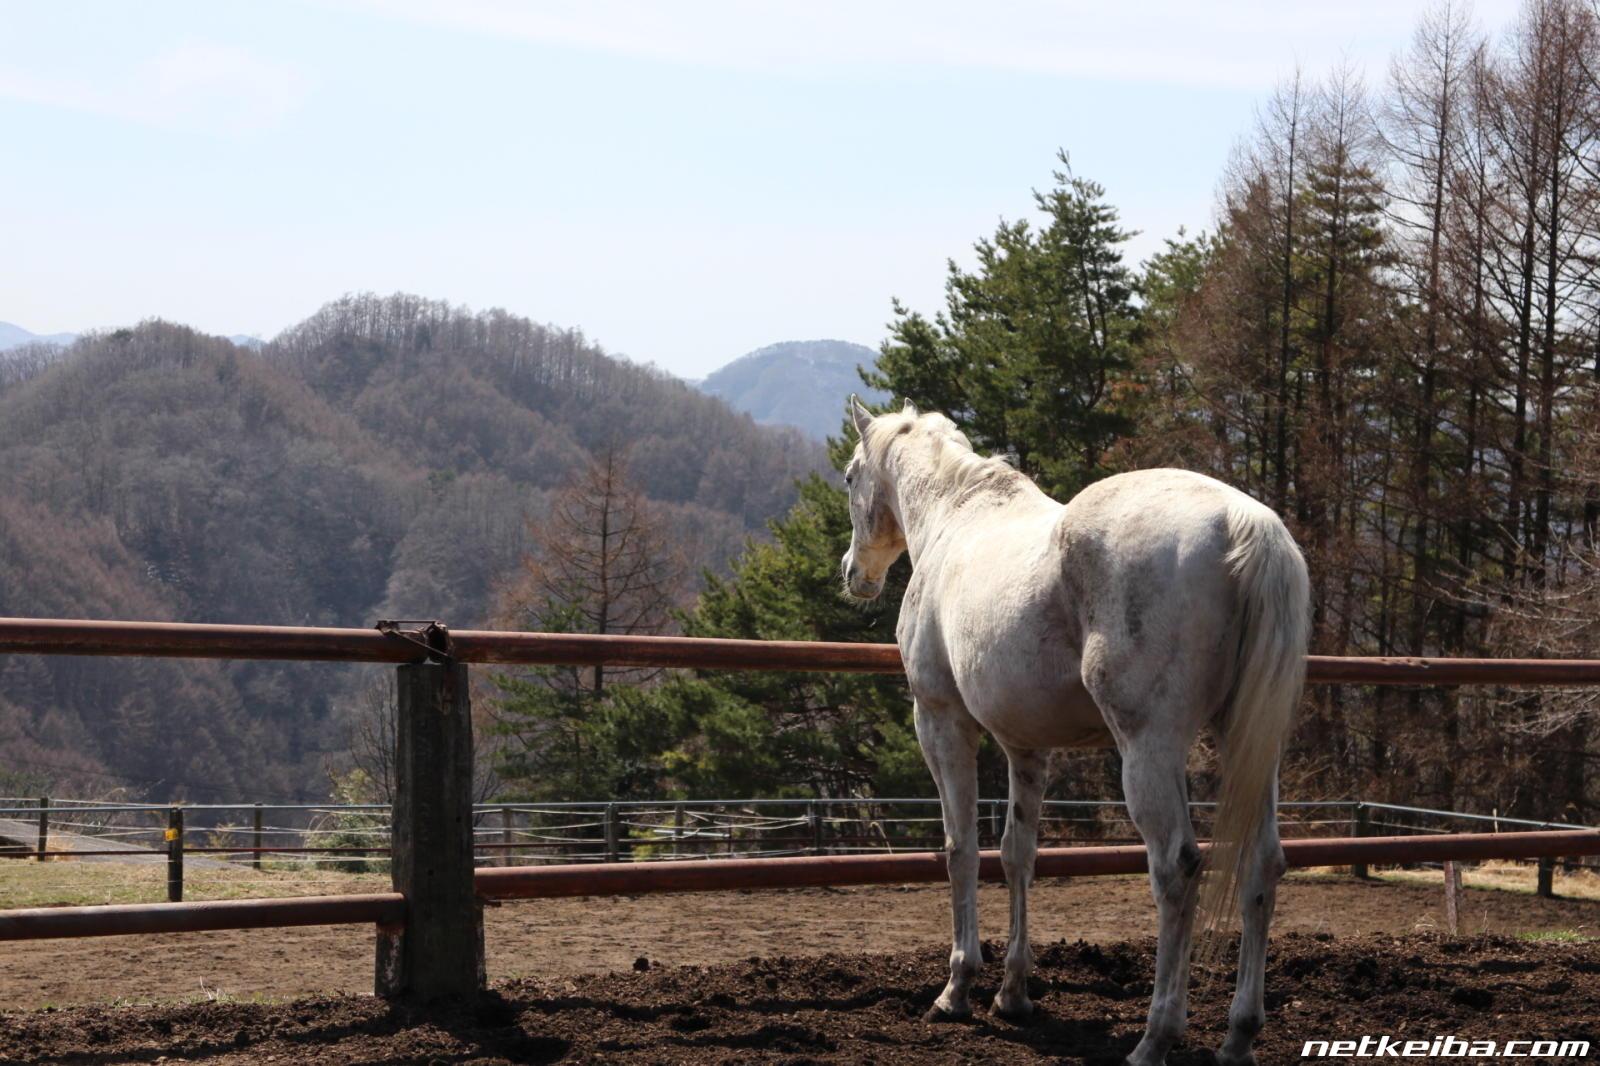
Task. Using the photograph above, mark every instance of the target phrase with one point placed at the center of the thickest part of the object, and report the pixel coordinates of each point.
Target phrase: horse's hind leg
(1258, 891)
(949, 739)
(1157, 794)
(1017, 852)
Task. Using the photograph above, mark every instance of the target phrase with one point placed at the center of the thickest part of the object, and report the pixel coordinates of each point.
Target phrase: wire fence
(83, 851)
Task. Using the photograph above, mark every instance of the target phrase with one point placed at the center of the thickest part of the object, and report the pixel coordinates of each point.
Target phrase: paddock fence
(430, 936)
(301, 847)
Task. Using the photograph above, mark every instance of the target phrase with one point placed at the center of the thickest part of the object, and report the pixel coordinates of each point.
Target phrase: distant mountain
(796, 383)
(15, 337)
(381, 459)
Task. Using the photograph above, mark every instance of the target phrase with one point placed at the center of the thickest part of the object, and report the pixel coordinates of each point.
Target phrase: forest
(1389, 334)
(1389, 331)
(379, 460)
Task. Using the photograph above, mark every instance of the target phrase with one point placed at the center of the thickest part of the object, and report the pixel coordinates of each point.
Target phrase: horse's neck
(932, 501)
(925, 501)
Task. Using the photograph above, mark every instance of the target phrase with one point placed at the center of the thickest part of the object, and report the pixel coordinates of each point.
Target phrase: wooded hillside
(378, 460)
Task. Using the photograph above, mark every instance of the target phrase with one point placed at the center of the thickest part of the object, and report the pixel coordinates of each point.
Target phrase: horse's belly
(1044, 716)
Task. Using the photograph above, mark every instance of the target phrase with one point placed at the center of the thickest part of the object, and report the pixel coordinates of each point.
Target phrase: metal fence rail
(53, 636)
(388, 910)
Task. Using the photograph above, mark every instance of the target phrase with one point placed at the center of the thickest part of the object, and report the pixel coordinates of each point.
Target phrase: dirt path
(561, 938)
(865, 1008)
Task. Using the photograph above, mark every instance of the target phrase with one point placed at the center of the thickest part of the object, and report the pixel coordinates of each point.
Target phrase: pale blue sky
(684, 181)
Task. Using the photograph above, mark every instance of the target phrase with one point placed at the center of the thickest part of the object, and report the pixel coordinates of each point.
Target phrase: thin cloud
(198, 85)
(1241, 45)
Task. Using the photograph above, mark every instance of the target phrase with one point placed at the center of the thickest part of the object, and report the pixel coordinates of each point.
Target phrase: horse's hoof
(1018, 1012)
(937, 1013)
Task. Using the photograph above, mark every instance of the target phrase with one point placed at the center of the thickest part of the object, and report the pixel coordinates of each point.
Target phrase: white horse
(1154, 604)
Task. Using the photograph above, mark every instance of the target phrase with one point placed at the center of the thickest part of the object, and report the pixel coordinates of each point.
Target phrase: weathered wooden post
(611, 832)
(1358, 828)
(508, 821)
(256, 840)
(1452, 897)
(44, 825)
(439, 950)
(677, 829)
(175, 855)
(815, 817)
(1547, 878)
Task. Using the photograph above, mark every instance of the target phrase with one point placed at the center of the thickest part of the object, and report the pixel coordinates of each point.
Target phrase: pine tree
(1033, 350)
(801, 734)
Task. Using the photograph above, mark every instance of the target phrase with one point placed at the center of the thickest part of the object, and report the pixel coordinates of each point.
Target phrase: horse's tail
(1274, 597)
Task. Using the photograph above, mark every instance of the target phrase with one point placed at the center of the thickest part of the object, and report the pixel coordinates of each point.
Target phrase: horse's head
(876, 539)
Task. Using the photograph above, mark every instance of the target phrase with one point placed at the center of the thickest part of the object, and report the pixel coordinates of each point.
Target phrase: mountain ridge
(15, 336)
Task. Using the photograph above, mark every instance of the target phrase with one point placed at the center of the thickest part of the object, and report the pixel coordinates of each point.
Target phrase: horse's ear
(859, 415)
(910, 409)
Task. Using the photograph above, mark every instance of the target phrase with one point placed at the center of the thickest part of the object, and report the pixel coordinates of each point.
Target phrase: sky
(683, 181)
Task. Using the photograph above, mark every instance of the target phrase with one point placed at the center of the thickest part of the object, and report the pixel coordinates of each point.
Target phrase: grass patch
(1520, 878)
(67, 883)
(1556, 936)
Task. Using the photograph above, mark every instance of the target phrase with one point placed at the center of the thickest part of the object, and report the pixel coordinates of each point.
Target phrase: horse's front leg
(949, 739)
(1017, 852)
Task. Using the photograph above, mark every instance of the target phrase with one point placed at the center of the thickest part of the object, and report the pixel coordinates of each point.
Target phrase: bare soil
(563, 938)
(864, 1008)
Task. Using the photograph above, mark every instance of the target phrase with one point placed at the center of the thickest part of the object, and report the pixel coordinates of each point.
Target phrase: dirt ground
(865, 1008)
(563, 938)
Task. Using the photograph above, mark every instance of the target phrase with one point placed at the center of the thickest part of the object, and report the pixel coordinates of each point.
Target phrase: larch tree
(598, 564)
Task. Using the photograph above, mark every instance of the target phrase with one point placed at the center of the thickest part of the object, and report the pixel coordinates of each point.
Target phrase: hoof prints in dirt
(858, 1009)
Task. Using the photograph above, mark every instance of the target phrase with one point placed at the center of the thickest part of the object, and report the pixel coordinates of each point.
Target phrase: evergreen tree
(807, 734)
(1032, 353)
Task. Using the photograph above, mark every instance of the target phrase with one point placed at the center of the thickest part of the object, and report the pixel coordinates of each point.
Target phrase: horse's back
(1055, 623)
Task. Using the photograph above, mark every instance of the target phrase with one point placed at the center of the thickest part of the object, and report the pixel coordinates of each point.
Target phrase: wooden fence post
(439, 950)
(1358, 828)
(611, 832)
(256, 839)
(677, 829)
(508, 821)
(175, 855)
(816, 827)
(1452, 896)
(1547, 878)
(44, 825)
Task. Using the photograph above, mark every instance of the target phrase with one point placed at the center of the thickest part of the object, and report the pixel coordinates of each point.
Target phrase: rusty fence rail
(430, 931)
(50, 636)
(389, 910)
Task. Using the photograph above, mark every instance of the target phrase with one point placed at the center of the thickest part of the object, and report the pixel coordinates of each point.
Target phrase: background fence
(131, 852)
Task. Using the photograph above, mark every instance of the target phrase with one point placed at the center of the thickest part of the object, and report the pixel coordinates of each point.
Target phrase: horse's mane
(955, 465)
